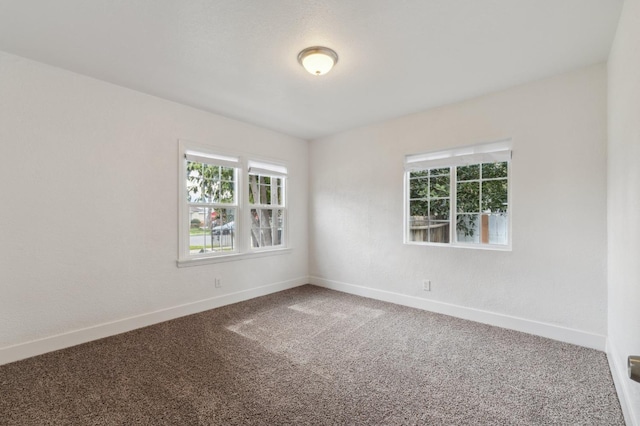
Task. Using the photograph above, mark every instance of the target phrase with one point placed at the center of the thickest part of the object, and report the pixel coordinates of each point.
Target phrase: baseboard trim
(64, 340)
(563, 334)
(621, 381)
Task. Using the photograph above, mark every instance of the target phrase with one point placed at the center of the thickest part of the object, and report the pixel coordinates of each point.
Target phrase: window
(459, 197)
(231, 206)
(266, 204)
(212, 199)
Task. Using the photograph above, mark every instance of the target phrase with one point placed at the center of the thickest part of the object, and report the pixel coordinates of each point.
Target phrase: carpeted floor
(318, 357)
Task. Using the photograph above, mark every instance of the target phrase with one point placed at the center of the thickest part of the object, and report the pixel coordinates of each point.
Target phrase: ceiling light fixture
(318, 60)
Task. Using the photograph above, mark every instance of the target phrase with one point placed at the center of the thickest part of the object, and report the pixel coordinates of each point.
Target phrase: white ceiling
(237, 58)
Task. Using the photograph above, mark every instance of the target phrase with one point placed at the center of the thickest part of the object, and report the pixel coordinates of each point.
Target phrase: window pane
(265, 190)
(439, 172)
(222, 229)
(438, 231)
(198, 231)
(429, 206)
(209, 191)
(419, 188)
(467, 228)
(418, 174)
(498, 228)
(226, 193)
(494, 196)
(280, 194)
(440, 186)
(419, 208)
(211, 172)
(261, 187)
(211, 230)
(277, 234)
(419, 228)
(423, 229)
(253, 190)
(227, 173)
(194, 169)
(266, 227)
(194, 181)
(468, 197)
(439, 209)
(494, 170)
(468, 172)
(204, 183)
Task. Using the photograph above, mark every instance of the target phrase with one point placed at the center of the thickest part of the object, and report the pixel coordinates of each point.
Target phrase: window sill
(185, 263)
(463, 246)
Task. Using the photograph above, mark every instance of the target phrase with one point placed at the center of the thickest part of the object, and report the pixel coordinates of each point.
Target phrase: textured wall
(88, 189)
(624, 199)
(556, 272)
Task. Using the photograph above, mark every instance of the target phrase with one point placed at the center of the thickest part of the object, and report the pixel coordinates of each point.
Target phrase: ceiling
(237, 58)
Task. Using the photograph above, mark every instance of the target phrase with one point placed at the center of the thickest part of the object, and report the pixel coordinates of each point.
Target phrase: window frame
(242, 246)
(272, 170)
(499, 151)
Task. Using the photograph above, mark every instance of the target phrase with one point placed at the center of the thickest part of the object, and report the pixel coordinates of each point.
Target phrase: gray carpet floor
(318, 357)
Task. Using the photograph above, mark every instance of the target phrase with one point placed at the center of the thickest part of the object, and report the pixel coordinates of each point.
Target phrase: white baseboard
(563, 334)
(622, 382)
(76, 337)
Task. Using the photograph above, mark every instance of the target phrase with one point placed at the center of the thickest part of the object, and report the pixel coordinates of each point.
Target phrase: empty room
(419, 212)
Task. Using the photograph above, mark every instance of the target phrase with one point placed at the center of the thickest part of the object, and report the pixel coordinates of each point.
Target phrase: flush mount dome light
(317, 60)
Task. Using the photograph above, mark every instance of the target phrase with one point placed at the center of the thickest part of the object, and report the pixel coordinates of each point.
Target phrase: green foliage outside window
(266, 223)
(476, 194)
(208, 183)
(480, 189)
(429, 193)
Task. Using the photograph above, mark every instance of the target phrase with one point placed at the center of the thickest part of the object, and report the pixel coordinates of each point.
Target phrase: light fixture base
(318, 60)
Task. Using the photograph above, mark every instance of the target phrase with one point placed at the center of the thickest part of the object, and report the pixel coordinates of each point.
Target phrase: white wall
(88, 224)
(624, 205)
(553, 283)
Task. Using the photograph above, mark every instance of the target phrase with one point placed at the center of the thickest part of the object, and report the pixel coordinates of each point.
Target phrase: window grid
(267, 210)
(486, 225)
(215, 221)
(430, 224)
(212, 203)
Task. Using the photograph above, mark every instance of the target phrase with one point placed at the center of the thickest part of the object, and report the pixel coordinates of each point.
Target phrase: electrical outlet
(217, 282)
(426, 285)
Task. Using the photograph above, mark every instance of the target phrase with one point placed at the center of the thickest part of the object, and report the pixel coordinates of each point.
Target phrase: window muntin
(469, 185)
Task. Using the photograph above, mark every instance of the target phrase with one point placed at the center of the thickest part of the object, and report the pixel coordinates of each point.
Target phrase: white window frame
(242, 244)
(491, 152)
(272, 170)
